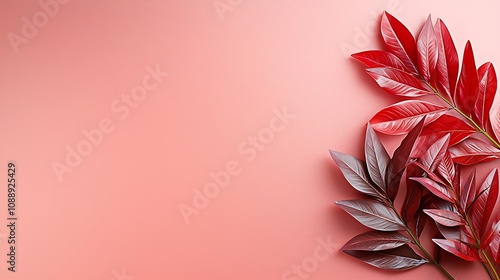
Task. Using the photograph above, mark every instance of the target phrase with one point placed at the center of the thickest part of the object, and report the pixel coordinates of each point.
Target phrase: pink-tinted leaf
(354, 170)
(435, 188)
(427, 50)
(473, 150)
(447, 124)
(495, 117)
(484, 202)
(445, 217)
(377, 158)
(376, 241)
(446, 168)
(378, 58)
(447, 64)
(435, 153)
(372, 214)
(458, 249)
(486, 94)
(402, 117)
(467, 191)
(401, 258)
(398, 82)
(429, 173)
(468, 84)
(399, 41)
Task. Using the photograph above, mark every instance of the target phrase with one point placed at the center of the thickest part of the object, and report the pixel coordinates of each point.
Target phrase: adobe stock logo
(31, 26)
(249, 149)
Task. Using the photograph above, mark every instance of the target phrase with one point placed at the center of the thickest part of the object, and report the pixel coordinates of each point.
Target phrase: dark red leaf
(445, 217)
(435, 188)
(458, 249)
(354, 170)
(376, 241)
(468, 84)
(486, 94)
(435, 153)
(377, 158)
(427, 50)
(413, 194)
(467, 191)
(473, 150)
(372, 214)
(398, 82)
(378, 58)
(402, 117)
(447, 124)
(447, 65)
(484, 202)
(399, 41)
(401, 258)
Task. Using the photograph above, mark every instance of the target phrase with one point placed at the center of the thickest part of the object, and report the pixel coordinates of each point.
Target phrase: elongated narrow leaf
(445, 217)
(446, 168)
(413, 196)
(401, 258)
(402, 117)
(378, 58)
(435, 153)
(447, 124)
(376, 241)
(486, 94)
(467, 191)
(458, 249)
(484, 202)
(495, 117)
(492, 239)
(354, 170)
(435, 188)
(372, 214)
(427, 50)
(468, 85)
(399, 41)
(377, 158)
(447, 65)
(473, 150)
(398, 82)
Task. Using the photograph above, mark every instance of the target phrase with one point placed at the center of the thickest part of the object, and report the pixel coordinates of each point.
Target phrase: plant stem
(469, 119)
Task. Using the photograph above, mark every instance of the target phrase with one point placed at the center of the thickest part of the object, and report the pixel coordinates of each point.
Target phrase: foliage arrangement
(425, 173)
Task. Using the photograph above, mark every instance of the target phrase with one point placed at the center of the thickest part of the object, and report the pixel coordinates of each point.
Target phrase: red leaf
(435, 153)
(468, 84)
(399, 41)
(458, 249)
(435, 188)
(447, 168)
(484, 202)
(486, 94)
(445, 217)
(492, 240)
(447, 64)
(402, 117)
(473, 150)
(401, 258)
(413, 194)
(447, 124)
(376, 241)
(467, 191)
(398, 82)
(427, 50)
(372, 214)
(377, 158)
(354, 170)
(378, 58)
(495, 117)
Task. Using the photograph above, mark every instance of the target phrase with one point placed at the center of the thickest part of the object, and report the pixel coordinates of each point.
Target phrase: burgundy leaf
(486, 94)
(402, 117)
(445, 217)
(468, 84)
(378, 58)
(376, 241)
(484, 202)
(467, 191)
(435, 153)
(354, 170)
(413, 194)
(399, 41)
(427, 50)
(377, 158)
(458, 249)
(372, 214)
(401, 258)
(398, 82)
(435, 188)
(447, 64)
(473, 150)
(447, 124)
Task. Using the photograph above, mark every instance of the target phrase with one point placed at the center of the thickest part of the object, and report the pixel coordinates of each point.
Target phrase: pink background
(118, 210)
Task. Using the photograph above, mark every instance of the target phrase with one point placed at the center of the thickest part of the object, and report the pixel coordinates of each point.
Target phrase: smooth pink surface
(118, 210)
